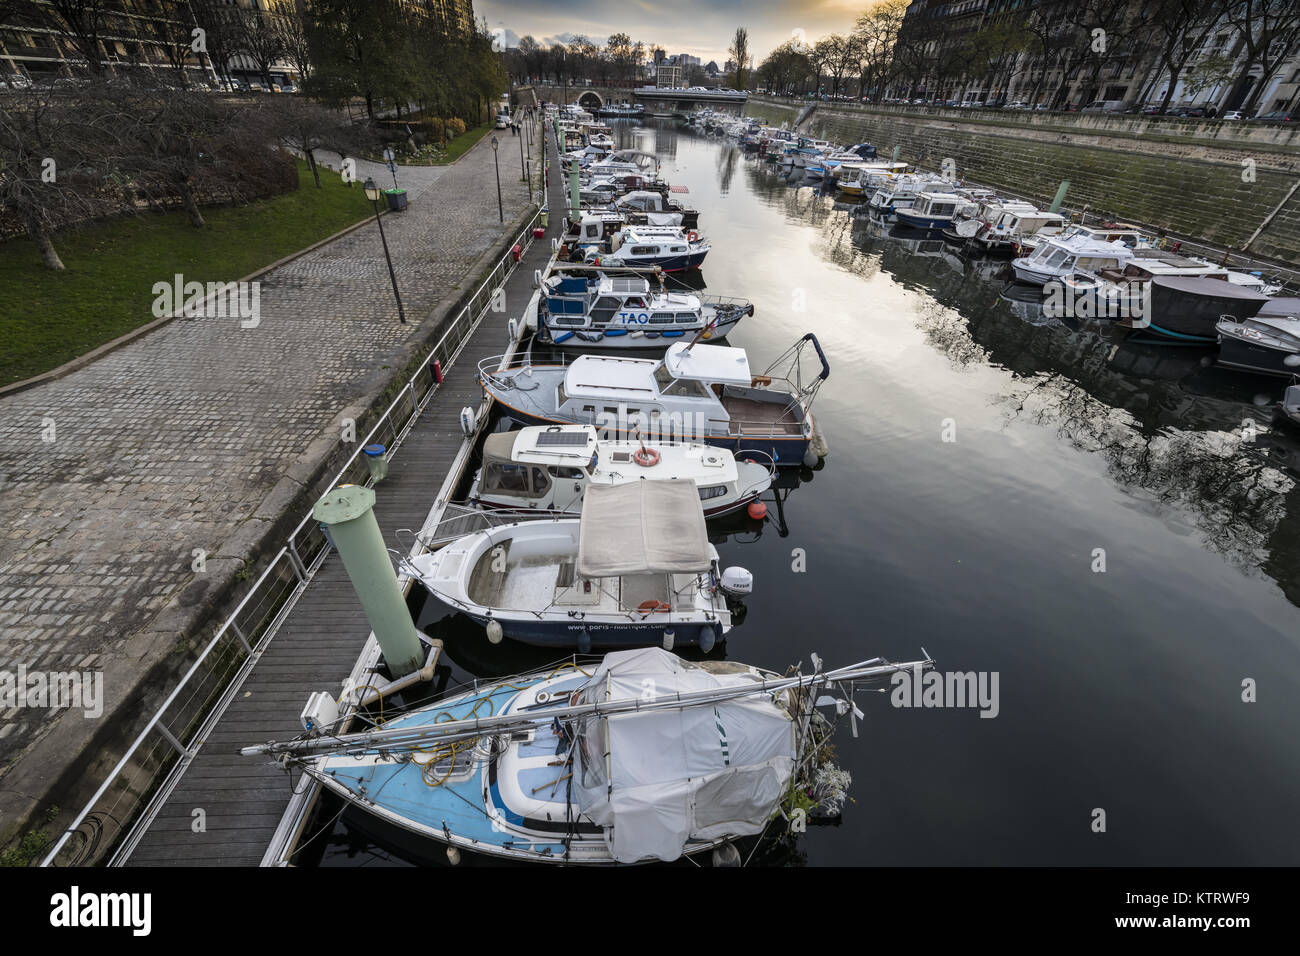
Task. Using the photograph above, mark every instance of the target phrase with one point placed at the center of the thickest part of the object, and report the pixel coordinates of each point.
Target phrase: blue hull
(906, 217)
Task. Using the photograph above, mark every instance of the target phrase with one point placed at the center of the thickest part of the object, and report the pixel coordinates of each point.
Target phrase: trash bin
(377, 461)
(396, 199)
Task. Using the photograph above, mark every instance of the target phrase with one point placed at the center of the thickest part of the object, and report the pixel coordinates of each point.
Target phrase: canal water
(986, 463)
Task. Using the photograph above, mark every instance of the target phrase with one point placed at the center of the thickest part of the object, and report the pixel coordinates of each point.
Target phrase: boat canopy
(709, 363)
(1280, 307)
(541, 445)
(642, 527)
(1209, 288)
(659, 779)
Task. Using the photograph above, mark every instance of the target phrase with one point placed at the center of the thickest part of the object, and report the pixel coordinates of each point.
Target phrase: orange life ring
(692, 236)
(646, 457)
(652, 606)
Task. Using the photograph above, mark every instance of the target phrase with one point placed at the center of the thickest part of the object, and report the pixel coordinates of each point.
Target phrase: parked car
(1195, 112)
(1233, 115)
(1278, 116)
(1019, 105)
(1104, 106)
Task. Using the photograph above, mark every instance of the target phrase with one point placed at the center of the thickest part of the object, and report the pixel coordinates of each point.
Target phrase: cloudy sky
(702, 28)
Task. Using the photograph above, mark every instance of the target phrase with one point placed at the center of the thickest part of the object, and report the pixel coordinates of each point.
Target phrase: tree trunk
(315, 170)
(191, 207)
(42, 239)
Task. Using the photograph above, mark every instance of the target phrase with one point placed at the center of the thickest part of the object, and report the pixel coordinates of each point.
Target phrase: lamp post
(500, 209)
(523, 168)
(372, 193)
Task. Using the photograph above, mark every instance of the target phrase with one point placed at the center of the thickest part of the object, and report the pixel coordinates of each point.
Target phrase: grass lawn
(459, 146)
(48, 317)
(456, 148)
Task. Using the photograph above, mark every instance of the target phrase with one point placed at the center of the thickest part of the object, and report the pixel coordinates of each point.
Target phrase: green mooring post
(348, 513)
(575, 197)
(1060, 196)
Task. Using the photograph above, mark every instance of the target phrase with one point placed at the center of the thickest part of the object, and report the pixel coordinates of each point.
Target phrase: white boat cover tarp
(673, 777)
(642, 527)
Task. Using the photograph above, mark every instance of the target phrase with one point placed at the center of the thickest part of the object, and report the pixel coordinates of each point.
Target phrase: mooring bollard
(348, 512)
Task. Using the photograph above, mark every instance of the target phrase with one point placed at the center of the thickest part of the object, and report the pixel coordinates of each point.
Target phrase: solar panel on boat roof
(561, 438)
(623, 284)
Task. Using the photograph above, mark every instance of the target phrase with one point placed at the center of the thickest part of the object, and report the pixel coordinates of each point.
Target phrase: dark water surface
(1119, 690)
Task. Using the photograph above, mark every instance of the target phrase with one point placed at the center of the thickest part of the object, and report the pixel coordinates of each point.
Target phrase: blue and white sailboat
(643, 758)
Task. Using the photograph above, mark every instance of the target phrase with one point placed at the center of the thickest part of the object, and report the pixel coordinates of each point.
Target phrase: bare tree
(305, 127)
(80, 23)
(258, 37)
(1270, 30)
(739, 51)
(50, 167)
(292, 29)
(1181, 28)
(220, 33)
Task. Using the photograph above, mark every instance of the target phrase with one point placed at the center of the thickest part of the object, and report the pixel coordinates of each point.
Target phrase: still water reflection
(1120, 690)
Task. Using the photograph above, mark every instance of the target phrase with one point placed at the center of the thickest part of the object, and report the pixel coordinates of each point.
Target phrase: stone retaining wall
(1189, 189)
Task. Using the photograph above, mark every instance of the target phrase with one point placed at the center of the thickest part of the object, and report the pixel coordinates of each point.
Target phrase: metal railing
(163, 743)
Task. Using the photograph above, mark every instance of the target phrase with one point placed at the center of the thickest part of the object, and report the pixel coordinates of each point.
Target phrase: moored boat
(549, 468)
(644, 757)
(601, 310)
(695, 393)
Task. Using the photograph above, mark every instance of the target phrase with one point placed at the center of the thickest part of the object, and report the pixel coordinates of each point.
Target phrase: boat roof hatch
(542, 445)
(712, 363)
(599, 376)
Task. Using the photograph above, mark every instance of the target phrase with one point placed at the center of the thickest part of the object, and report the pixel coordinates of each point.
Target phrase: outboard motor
(737, 581)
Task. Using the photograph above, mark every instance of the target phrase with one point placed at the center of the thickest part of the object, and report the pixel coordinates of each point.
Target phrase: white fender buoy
(537, 278)
(669, 636)
(555, 245)
(810, 458)
(495, 632)
(512, 329)
(584, 641)
(468, 421)
(453, 856)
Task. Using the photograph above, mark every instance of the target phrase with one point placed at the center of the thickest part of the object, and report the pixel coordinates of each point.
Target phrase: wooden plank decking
(244, 798)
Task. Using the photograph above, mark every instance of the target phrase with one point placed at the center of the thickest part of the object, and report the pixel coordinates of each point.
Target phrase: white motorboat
(670, 248)
(635, 569)
(1061, 256)
(596, 310)
(549, 468)
(695, 393)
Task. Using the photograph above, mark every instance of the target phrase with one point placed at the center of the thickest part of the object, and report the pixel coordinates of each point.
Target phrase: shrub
(456, 125)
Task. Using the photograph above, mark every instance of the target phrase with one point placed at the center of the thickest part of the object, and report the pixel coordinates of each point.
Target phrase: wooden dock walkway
(243, 799)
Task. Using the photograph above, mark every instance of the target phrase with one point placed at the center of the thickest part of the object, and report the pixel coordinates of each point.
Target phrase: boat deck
(753, 417)
(244, 799)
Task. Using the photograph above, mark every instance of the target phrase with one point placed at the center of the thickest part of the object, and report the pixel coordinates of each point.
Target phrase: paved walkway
(167, 445)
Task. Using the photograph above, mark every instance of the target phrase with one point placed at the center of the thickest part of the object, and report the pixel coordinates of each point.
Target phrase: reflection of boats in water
(742, 527)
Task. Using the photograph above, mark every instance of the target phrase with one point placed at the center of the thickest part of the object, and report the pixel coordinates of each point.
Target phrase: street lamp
(522, 168)
(372, 193)
(500, 209)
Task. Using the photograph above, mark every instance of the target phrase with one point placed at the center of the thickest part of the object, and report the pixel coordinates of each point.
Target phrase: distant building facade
(937, 37)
